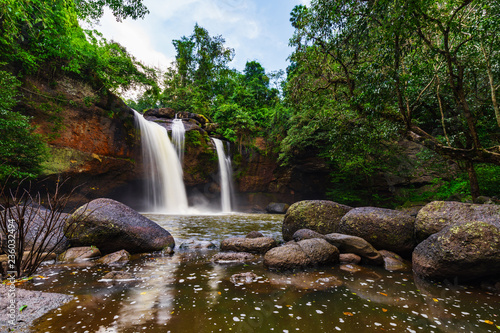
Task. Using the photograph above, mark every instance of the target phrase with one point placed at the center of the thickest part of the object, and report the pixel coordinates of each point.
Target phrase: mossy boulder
(438, 215)
(467, 251)
(385, 229)
(319, 215)
(112, 226)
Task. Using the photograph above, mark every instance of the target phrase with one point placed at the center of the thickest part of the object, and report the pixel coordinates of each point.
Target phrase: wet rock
(319, 215)
(277, 208)
(351, 268)
(118, 275)
(37, 304)
(254, 234)
(193, 244)
(305, 253)
(243, 278)
(313, 281)
(349, 258)
(80, 253)
(466, 251)
(119, 257)
(113, 226)
(232, 257)
(437, 215)
(259, 245)
(383, 228)
(393, 262)
(345, 244)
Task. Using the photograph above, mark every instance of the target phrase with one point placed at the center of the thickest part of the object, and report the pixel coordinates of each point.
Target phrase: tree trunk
(474, 184)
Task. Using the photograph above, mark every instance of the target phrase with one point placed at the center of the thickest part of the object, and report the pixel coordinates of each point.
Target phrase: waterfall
(226, 176)
(165, 187)
(178, 137)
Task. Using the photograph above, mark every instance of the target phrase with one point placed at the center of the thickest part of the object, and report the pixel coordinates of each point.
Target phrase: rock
(113, 226)
(277, 208)
(119, 257)
(305, 253)
(349, 258)
(243, 278)
(254, 234)
(168, 113)
(356, 245)
(319, 215)
(466, 251)
(383, 228)
(437, 215)
(80, 253)
(193, 244)
(313, 281)
(39, 220)
(116, 275)
(393, 262)
(351, 268)
(232, 257)
(345, 244)
(259, 245)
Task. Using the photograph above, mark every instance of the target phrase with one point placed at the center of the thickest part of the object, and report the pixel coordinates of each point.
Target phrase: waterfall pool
(186, 292)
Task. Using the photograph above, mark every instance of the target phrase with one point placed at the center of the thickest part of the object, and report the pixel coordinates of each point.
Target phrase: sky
(256, 29)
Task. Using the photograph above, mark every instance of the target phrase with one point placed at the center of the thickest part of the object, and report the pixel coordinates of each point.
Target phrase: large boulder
(305, 253)
(259, 245)
(466, 251)
(113, 226)
(437, 215)
(42, 227)
(319, 215)
(345, 244)
(383, 228)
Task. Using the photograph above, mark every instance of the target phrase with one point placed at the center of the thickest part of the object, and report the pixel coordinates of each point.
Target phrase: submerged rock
(243, 278)
(305, 253)
(113, 226)
(232, 257)
(193, 244)
(80, 253)
(466, 251)
(306, 281)
(319, 215)
(437, 215)
(119, 257)
(259, 245)
(254, 234)
(118, 275)
(383, 228)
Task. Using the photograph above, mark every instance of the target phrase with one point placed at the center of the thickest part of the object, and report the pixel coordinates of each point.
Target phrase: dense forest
(363, 76)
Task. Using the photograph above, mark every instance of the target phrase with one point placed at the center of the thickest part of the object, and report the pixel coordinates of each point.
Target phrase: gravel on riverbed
(35, 304)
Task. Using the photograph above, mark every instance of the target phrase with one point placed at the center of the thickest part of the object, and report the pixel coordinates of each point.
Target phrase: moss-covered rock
(466, 251)
(385, 229)
(112, 226)
(438, 215)
(319, 215)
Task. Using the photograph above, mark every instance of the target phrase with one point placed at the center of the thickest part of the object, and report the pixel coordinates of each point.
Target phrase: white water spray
(165, 187)
(178, 137)
(226, 176)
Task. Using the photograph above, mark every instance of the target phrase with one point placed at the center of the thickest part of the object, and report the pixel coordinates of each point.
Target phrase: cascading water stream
(165, 187)
(178, 137)
(226, 176)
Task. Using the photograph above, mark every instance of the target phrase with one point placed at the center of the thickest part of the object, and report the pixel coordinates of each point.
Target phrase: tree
(414, 65)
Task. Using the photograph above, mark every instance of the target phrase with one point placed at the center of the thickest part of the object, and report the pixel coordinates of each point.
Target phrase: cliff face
(90, 134)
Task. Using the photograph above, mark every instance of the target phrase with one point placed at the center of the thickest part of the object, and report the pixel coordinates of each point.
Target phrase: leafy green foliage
(21, 151)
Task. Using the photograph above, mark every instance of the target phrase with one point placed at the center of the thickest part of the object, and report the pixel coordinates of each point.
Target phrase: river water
(186, 292)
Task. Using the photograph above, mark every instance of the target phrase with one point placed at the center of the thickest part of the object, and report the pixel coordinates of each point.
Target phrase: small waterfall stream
(178, 137)
(226, 177)
(165, 186)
